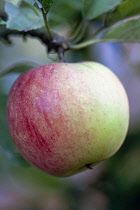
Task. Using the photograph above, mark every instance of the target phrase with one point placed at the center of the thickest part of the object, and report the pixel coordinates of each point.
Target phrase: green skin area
(64, 116)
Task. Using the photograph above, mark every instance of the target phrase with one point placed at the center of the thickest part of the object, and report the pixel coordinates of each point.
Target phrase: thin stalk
(61, 55)
(97, 32)
(91, 42)
(81, 34)
(78, 31)
(46, 23)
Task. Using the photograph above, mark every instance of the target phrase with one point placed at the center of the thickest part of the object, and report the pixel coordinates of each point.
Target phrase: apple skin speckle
(64, 117)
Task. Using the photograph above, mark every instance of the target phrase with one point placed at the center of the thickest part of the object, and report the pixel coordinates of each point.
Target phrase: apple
(65, 118)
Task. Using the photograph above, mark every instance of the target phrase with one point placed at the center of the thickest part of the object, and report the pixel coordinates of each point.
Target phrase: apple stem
(61, 55)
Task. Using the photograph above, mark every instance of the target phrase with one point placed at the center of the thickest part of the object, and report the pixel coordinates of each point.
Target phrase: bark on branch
(57, 44)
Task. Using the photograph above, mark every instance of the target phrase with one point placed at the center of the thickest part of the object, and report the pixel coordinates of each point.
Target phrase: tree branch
(57, 44)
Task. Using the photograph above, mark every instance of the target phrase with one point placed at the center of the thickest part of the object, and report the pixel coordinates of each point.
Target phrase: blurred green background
(112, 185)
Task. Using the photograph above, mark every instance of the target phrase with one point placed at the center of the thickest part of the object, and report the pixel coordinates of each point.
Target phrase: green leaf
(17, 68)
(23, 18)
(125, 31)
(30, 1)
(126, 9)
(5, 139)
(16, 157)
(2, 22)
(15, 2)
(94, 8)
(68, 15)
(46, 4)
(30, 178)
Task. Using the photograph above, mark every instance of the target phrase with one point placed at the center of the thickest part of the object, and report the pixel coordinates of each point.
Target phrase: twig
(46, 23)
(57, 44)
